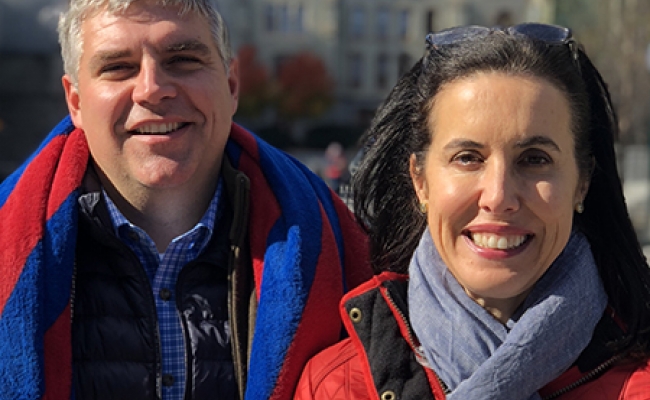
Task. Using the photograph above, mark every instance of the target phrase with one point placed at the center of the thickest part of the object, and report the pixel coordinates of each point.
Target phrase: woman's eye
(466, 158)
(536, 159)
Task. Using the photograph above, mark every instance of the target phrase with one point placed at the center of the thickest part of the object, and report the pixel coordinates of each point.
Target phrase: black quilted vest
(115, 339)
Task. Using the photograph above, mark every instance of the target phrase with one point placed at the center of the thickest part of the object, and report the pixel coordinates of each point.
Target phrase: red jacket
(378, 361)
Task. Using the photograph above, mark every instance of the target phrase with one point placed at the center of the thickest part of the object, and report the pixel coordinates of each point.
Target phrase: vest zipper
(414, 343)
(73, 290)
(238, 230)
(585, 378)
(157, 340)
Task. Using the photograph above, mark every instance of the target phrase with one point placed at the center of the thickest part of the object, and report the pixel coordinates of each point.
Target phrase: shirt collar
(208, 221)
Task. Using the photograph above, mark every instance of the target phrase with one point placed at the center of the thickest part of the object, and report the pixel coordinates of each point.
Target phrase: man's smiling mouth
(159, 129)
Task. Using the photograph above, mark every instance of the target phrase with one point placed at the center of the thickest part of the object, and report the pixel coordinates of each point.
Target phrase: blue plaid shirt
(162, 270)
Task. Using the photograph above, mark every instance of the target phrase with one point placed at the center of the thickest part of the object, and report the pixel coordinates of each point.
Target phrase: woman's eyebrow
(538, 140)
(463, 143)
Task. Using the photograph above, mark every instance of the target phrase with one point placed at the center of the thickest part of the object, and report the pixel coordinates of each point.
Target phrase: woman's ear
(583, 185)
(583, 188)
(418, 179)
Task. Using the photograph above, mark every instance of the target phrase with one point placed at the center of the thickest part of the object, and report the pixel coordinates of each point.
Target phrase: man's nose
(153, 84)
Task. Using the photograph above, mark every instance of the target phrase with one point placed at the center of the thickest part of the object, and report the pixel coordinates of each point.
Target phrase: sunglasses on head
(549, 34)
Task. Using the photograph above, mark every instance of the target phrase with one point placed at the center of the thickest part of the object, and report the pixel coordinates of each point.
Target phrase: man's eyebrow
(190, 45)
(538, 140)
(102, 57)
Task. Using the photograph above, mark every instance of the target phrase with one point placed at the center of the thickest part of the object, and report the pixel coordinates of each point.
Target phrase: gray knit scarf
(481, 359)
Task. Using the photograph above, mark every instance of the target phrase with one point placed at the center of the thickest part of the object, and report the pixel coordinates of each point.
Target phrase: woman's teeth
(490, 241)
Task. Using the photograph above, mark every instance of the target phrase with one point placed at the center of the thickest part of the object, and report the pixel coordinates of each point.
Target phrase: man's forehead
(103, 33)
(141, 10)
(142, 13)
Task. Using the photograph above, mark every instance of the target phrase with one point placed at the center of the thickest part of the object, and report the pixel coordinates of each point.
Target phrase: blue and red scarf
(306, 248)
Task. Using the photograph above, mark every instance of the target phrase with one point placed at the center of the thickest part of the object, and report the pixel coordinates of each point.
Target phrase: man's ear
(418, 179)
(233, 82)
(73, 101)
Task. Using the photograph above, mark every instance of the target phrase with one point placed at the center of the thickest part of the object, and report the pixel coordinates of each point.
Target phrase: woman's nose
(499, 189)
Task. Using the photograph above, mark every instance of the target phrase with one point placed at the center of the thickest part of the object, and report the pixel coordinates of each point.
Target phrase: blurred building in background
(31, 96)
(365, 45)
(314, 71)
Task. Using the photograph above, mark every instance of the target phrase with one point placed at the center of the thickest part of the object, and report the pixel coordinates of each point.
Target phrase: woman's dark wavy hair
(386, 204)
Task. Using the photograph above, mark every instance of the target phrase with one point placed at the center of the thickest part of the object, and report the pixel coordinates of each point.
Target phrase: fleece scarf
(481, 359)
(306, 249)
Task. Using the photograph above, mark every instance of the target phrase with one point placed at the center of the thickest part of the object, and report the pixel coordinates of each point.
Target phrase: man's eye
(116, 69)
(184, 60)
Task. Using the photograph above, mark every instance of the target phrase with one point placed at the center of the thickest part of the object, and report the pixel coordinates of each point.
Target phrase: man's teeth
(489, 241)
(159, 128)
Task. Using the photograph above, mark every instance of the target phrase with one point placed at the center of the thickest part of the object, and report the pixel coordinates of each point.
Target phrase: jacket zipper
(413, 343)
(586, 378)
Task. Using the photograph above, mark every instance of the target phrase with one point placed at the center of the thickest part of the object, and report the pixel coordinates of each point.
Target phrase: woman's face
(501, 182)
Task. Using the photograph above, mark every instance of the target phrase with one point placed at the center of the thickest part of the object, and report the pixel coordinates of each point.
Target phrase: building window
(269, 18)
(355, 70)
(382, 71)
(299, 19)
(284, 18)
(403, 64)
(383, 23)
(357, 23)
(403, 24)
(430, 22)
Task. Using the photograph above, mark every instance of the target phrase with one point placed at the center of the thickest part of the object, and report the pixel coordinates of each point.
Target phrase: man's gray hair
(70, 22)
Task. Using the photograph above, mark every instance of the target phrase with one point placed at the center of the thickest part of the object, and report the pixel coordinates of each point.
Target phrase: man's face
(153, 98)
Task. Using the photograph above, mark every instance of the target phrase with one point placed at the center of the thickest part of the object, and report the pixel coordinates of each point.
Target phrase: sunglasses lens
(549, 34)
(546, 33)
(455, 35)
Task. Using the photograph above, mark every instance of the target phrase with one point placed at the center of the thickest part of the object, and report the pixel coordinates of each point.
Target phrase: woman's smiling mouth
(497, 242)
